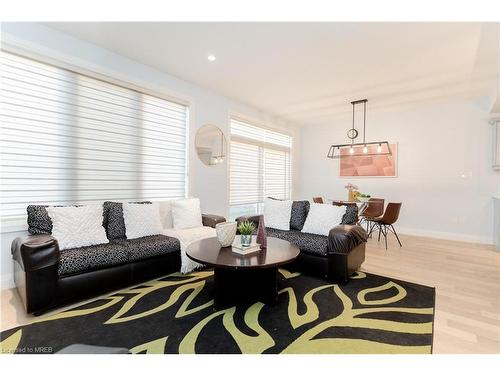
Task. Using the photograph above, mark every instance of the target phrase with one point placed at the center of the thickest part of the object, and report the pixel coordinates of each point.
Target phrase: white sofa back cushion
(186, 213)
(141, 220)
(166, 214)
(323, 217)
(77, 226)
(277, 213)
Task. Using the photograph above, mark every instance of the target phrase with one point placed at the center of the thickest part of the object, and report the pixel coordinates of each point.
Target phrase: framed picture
(372, 165)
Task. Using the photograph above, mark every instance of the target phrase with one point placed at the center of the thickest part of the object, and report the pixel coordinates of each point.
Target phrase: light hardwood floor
(467, 281)
(466, 277)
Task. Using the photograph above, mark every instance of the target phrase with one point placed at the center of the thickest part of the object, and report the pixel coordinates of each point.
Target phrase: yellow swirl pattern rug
(175, 314)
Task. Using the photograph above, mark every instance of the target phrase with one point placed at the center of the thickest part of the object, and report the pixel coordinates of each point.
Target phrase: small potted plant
(246, 229)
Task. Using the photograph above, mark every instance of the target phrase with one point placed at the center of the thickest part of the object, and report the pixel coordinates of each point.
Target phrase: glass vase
(246, 240)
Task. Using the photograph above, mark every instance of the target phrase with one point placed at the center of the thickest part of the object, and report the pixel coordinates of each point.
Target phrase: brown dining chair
(375, 208)
(318, 200)
(385, 222)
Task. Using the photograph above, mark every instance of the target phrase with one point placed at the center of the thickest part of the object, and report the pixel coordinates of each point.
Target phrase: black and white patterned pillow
(300, 209)
(113, 221)
(39, 221)
(351, 215)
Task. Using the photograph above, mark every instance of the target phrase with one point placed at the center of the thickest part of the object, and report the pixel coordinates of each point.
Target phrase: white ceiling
(308, 73)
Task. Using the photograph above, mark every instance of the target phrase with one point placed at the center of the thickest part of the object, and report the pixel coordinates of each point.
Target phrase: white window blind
(260, 164)
(67, 138)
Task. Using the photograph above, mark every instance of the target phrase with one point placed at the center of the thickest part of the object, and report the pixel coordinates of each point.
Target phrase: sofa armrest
(344, 238)
(35, 252)
(212, 220)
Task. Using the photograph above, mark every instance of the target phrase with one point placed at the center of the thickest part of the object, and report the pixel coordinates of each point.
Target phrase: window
(260, 167)
(67, 138)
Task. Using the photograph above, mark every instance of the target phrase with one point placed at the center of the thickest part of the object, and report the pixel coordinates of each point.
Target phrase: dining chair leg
(369, 229)
(379, 230)
(397, 237)
(385, 237)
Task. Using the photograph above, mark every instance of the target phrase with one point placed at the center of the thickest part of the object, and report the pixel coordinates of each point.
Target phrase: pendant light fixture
(360, 148)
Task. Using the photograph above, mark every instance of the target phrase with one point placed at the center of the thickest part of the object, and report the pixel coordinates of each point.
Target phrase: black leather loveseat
(47, 278)
(334, 257)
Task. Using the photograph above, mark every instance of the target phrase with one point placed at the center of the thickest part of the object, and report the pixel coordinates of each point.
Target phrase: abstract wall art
(371, 165)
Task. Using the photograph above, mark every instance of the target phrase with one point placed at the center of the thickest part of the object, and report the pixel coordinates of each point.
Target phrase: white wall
(210, 184)
(445, 180)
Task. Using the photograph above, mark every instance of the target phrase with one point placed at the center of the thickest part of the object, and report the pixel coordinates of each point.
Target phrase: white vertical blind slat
(68, 138)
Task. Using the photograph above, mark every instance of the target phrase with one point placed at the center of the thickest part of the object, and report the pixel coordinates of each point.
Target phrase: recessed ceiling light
(211, 58)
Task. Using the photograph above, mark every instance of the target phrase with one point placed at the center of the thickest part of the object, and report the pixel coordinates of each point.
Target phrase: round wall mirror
(210, 145)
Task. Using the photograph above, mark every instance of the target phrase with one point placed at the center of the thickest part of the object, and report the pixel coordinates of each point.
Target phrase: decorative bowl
(226, 233)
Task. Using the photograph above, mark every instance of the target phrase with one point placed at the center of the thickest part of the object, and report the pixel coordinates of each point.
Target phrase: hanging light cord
(364, 123)
(353, 105)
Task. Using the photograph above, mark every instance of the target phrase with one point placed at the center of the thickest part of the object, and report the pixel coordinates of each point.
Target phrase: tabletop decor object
(226, 233)
(261, 233)
(246, 229)
(352, 192)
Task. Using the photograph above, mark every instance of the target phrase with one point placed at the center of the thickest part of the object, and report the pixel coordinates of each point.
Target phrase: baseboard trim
(445, 235)
(7, 282)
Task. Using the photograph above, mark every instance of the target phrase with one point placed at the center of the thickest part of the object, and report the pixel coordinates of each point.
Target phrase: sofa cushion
(150, 246)
(186, 213)
(300, 209)
(113, 221)
(141, 220)
(314, 244)
(323, 217)
(39, 221)
(75, 227)
(298, 216)
(89, 258)
(166, 214)
(351, 215)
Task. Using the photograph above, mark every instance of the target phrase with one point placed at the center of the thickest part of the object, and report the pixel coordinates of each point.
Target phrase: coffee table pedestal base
(232, 286)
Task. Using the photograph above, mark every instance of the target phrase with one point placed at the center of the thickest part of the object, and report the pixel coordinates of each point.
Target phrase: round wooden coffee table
(243, 278)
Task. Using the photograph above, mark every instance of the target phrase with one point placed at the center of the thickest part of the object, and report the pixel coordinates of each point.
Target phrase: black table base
(232, 286)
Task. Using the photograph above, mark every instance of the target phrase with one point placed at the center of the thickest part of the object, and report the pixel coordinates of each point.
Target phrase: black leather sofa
(47, 278)
(333, 257)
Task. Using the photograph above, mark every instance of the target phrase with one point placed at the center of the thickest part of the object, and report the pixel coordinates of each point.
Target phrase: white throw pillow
(186, 213)
(166, 214)
(277, 213)
(77, 226)
(323, 217)
(141, 220)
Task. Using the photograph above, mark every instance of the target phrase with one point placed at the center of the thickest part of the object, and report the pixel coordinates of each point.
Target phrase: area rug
(175, 314)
